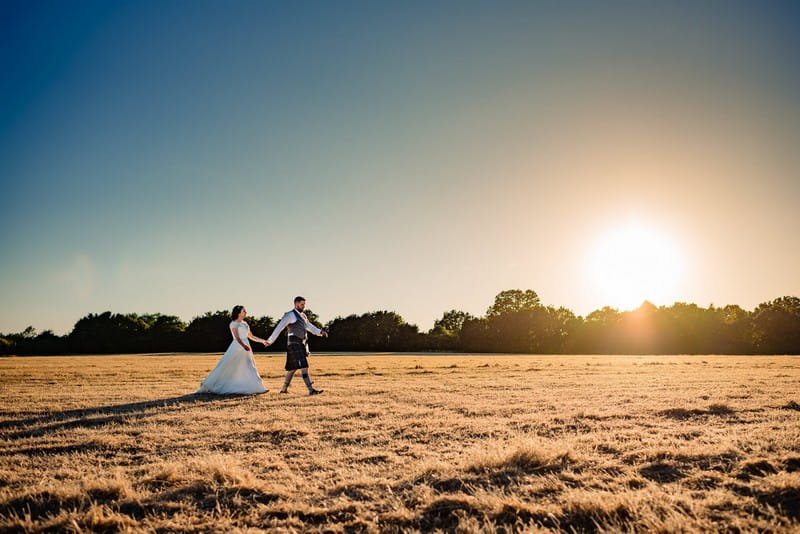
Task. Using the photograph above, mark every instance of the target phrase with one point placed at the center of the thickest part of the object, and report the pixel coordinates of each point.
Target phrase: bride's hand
(266, 343)
(246, 348)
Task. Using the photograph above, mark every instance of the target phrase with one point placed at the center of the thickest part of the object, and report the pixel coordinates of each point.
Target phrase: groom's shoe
(284, 391)
(315, 391)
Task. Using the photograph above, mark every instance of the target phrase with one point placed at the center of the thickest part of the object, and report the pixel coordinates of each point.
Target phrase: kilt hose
(296, 354)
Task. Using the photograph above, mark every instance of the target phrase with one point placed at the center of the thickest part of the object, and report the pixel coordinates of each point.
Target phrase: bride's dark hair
(235, 312)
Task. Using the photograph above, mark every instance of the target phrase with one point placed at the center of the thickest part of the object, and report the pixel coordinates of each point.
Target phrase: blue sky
(414, 156)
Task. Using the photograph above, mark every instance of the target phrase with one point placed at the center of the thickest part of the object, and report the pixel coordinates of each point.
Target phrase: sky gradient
(180, 157)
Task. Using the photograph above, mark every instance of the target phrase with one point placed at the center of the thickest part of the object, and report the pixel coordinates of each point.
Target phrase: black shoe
(284, 391)
(315, 391)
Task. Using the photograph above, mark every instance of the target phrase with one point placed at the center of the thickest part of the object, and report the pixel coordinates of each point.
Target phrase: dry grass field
(404, 443)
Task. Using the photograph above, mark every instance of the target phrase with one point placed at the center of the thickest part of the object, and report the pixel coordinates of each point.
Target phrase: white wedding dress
(236, 372)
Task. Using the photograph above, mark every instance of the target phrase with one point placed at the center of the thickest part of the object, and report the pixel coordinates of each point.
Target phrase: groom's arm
(313, 329)
(279, 328)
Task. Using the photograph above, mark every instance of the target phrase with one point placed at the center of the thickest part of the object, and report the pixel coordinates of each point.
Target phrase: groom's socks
(307, 380)
(287, 380)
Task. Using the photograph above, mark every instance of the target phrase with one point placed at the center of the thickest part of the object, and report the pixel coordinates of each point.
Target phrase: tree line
(517, 322)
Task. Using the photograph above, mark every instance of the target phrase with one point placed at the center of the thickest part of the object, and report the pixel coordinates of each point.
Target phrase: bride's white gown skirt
(235, 373)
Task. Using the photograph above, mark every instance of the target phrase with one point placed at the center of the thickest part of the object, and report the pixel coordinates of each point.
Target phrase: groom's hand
(266, 343)
(323, 333)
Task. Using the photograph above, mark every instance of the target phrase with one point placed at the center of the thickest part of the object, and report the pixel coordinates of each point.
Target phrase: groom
(297, 344)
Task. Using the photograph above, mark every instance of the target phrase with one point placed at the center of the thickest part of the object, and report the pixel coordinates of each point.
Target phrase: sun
(634, 262)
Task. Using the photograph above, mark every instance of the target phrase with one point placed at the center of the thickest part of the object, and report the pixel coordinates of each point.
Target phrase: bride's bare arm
(256, 338)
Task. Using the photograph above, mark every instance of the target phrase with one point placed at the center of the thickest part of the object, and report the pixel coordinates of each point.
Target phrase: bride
(236, 372)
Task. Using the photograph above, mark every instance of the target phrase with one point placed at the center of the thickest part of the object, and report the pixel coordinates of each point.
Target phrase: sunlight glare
(632, 263)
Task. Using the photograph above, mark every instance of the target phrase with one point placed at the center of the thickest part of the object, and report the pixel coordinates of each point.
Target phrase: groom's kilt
(296, 355)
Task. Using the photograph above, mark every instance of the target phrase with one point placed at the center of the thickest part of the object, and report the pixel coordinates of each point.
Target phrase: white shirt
(288, 318)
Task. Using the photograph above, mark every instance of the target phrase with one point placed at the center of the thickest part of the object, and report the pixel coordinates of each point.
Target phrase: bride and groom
(236, 371)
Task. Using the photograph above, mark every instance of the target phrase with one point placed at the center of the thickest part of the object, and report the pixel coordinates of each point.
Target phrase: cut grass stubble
(407, 443)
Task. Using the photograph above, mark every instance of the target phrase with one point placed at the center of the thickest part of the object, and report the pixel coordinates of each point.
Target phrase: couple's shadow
(40, 425)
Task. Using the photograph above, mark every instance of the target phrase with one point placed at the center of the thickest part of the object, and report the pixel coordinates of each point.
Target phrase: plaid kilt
(296, 355)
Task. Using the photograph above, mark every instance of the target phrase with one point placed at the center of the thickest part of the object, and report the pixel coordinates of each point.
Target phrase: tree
(378, 331)
(476, 336)
(47, 343)
(347, 333)
(637, 330)
(446, 332)
(164, 333)
(108, 332)
(565, 326)
(28, 333)
(513, 300)
(209, 332)
(598, 333)
(736, 332)
(538, 330)
(777, 326)
(452, 321)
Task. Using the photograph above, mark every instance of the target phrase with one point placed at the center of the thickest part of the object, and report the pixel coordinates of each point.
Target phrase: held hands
(324, 333)
(266, 343)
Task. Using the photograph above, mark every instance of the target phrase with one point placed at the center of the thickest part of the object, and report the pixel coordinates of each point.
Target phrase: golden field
(403, 443)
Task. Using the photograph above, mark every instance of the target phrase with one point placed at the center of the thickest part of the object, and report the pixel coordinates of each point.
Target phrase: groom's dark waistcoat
(297, 329)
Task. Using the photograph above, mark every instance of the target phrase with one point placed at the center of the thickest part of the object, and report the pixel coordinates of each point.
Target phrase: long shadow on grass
(102, 415)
